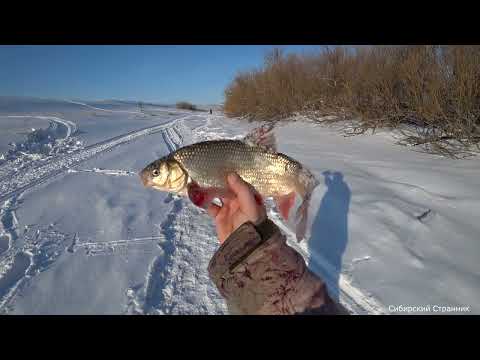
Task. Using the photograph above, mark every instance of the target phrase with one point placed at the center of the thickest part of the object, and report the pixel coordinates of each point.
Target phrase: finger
(238, 185)
(223, 225)
(245, 194)
(222, 214)
(213, 210)
(242, 189)
(223, 231)
(234, 206)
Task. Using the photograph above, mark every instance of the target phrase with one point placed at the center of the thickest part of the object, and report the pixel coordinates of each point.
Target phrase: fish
(199, 171)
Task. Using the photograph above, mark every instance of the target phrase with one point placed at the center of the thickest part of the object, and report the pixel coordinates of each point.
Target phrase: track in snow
(177, 281)
(143, 112)
(42, 246)
(107, 110)
(33, 176)
(70, 125)
(110, 172)
(23, 157)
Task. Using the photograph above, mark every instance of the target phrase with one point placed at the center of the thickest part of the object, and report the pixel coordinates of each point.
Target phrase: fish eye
(155, 172)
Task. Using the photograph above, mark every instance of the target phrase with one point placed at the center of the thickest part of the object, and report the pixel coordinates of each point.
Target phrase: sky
(161, 73)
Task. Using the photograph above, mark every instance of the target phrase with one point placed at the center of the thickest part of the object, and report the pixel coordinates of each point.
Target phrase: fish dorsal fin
(262, 136)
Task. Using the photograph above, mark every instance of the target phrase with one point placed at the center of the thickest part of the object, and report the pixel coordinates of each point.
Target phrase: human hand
(246, 205)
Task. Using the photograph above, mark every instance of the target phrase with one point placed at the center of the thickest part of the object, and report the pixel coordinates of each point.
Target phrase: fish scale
(209, 162)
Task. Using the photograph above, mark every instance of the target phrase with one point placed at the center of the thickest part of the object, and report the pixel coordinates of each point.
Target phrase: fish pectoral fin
(262, 136)
(285, 203)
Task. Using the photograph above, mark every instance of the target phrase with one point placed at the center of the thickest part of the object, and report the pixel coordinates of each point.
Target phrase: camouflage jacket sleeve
(258, 273)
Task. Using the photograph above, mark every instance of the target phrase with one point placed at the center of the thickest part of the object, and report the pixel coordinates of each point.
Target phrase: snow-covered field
(79, 234)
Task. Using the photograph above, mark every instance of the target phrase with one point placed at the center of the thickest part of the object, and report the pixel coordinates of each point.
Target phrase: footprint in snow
(426, 216)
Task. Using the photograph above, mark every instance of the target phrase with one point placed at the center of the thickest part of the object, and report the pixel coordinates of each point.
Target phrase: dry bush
(433, 89)
(185, 105)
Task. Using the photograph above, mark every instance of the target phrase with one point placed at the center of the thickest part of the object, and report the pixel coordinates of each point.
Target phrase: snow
(79, 234)
(412, 214)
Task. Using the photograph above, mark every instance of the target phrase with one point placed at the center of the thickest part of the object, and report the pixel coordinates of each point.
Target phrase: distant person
(254, 269)
(210, 111)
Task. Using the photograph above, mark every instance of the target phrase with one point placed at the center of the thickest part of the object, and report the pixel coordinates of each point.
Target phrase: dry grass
(185, 105)
(434, 89)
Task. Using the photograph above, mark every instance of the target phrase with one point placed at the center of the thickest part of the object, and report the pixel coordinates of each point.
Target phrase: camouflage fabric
(266, 276)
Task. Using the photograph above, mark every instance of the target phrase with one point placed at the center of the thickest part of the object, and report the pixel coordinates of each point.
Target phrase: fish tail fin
(301, 219)
(306, 185)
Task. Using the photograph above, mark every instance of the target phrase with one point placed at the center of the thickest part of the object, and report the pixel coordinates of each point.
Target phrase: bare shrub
(433, 89)
(185, 105)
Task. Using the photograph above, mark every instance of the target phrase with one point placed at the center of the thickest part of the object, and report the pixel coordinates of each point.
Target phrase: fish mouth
(146, 179)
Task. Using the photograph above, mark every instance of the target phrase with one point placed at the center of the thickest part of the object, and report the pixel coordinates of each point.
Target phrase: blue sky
(165, 74)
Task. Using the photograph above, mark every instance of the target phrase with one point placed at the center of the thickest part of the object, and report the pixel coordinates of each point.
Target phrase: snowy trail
(122, 246)
(36, 175)
(14, 264)
(177, 281)
(19, 265)
(27, 154)
(8, 224)
(70, 125)
(110, 172)
(107, 110)
(169, 111)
